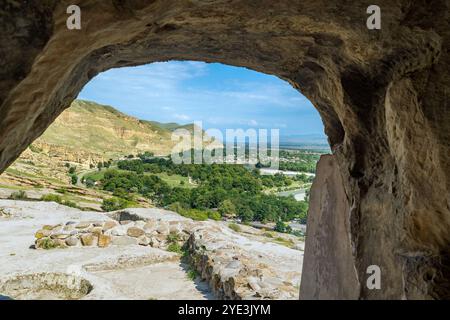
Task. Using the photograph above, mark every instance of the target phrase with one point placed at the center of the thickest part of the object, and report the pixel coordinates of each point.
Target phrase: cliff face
(88, 133)
(90, 128)
(382, 95)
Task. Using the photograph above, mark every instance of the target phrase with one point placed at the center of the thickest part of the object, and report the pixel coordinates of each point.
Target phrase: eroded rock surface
(382, 94)
(328, 270)
(107, 251)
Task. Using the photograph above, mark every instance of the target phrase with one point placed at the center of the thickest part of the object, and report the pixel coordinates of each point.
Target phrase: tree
(114, 204)
(89, 183)
(177, 207)
(214, 215)
(100, 165)
(146, 155)
(72, 170)
(280, 226)
(227, 208)
(74, 179)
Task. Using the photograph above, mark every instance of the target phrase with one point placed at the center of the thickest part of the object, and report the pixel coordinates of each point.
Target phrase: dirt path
(160, 281)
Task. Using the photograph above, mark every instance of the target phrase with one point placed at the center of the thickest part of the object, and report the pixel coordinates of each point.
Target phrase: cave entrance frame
(368, 86)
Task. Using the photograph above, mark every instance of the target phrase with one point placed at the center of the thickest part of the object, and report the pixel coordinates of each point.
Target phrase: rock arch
(382, 94)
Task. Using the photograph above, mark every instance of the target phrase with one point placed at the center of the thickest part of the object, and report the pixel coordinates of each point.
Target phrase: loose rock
(104, 240)
(135, 232)
(72, 241)
(87, 239)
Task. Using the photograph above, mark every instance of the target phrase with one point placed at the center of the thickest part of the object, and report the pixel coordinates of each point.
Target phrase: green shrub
(175, 247)
(52, 198)
(280, 226)
(123, 194)
(72, 170)
(48, 244)
(192, 274)
(227, 208)
(74, 179)
(214, 215)
(113, 204)
(235, 227)
(176, 207)
(89, 183)
(18, 195)
(195, 214)
(173, 237)
(61, 190)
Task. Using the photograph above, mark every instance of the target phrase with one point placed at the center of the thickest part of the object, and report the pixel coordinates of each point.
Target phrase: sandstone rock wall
(329, 266)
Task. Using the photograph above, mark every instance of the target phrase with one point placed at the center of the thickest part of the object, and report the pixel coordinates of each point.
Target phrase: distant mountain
(88, 127)
(305, 141)
(171, 126)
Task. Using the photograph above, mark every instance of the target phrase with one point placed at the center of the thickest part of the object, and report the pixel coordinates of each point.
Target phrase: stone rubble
(232, 271)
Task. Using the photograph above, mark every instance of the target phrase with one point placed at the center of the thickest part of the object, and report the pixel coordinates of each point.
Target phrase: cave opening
(382, 96)
(100, 153)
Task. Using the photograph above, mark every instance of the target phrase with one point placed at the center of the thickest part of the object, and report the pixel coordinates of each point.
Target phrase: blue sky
(220, 96)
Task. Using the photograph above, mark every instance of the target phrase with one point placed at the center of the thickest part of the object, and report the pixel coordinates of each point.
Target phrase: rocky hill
(82, 136)
(88, 129)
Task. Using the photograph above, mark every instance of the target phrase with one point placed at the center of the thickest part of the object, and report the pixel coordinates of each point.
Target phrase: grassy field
(175, 180)
(96, 176)
(293, 186)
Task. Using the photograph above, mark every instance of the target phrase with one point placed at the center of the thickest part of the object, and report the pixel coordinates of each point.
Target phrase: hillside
(102, 130)
(84, 135)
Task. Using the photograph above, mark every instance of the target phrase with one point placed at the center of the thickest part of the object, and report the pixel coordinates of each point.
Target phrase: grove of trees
(222, 189)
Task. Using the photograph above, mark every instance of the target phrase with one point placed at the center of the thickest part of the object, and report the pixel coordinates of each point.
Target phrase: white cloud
(179, 116)
(181, 91)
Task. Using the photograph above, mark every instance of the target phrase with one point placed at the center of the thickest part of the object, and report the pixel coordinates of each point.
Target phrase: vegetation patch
(115, 203)
(18, 195)
(192, 274)
(284, 242)
(48, 244)
(229, 190)
(175, 247)
(58, 199)
(235, 227)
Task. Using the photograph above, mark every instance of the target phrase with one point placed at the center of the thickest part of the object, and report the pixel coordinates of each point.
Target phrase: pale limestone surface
(16, 257)
(115, 272)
